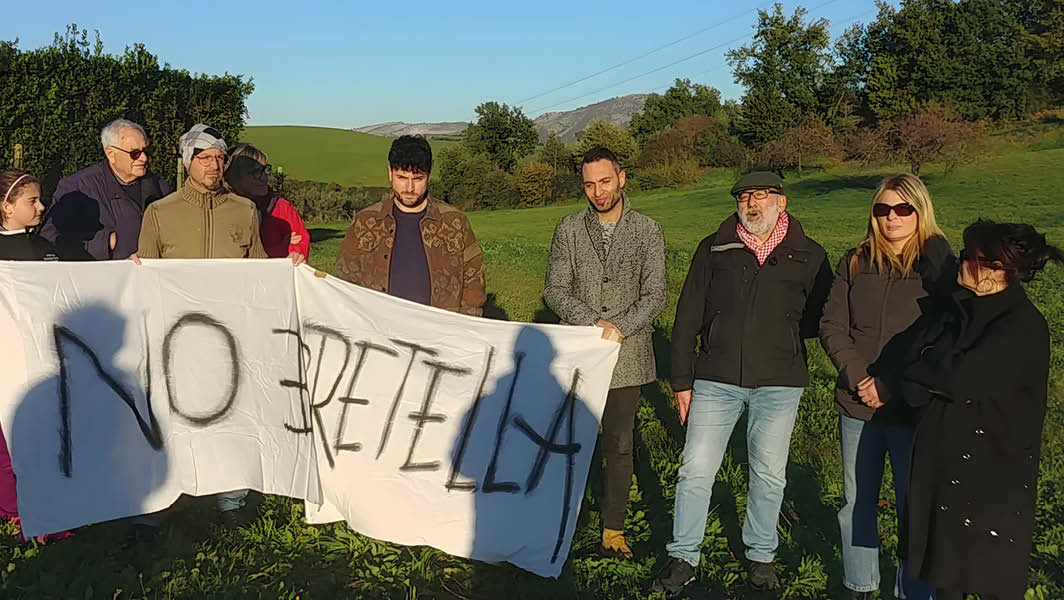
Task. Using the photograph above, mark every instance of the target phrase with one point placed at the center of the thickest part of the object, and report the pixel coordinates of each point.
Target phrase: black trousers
(618, 439)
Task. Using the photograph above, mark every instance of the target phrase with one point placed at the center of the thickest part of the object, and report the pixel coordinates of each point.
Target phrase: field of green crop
(279, 556)
(330, 155)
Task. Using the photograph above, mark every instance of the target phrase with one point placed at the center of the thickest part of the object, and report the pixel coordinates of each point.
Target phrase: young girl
(20, 211)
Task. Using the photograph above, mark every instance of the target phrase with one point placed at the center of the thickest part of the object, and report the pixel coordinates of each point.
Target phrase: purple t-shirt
(408, 275)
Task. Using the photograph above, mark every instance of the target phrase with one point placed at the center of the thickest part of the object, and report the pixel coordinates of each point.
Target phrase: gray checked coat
(625, 287)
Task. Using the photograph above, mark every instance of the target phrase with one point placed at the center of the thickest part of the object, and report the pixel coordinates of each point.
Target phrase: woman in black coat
(977, 366)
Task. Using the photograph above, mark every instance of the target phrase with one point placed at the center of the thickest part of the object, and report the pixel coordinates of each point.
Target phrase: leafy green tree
(842, 96)
(54, 101)
(502, 133)
(1043, 39)
(765, 116)
(533, 181)
(681, 100)
(471, 180)
(608, 135)
(969, 55)
(555, 153)
(783, 70)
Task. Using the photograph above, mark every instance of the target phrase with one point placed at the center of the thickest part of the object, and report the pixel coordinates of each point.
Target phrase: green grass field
(279, 556)
(330, 155)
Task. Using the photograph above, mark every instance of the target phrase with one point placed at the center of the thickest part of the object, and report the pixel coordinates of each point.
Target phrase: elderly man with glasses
(96, 212)
(755, 289)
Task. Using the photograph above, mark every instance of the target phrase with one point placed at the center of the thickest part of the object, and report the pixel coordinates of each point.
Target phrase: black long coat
(978, 368)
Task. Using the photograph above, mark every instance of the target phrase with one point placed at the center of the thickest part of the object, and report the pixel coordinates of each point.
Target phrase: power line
(700, 73)
(641, 75)
(632, 60)
(673, 63)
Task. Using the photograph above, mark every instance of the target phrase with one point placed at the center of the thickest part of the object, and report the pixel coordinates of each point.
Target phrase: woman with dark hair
(977, 366)
(903, 258)
(283, 234)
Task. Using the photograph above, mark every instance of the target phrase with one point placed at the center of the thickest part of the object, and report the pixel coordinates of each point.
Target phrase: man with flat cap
(755, 289)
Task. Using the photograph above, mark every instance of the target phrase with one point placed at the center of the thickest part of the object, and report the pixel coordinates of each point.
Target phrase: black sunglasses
(904, 209)
(134, 154)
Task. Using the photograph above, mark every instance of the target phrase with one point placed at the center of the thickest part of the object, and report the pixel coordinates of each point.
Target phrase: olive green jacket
(192, 224)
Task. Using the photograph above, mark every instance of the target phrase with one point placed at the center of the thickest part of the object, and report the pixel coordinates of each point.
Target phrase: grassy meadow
(324, 154)
(279, 556)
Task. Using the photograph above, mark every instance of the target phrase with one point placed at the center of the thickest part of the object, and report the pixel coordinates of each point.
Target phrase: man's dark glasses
(134, 154)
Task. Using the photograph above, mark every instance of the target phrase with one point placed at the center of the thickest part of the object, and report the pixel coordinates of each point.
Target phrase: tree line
(921, 83)
(55, 100)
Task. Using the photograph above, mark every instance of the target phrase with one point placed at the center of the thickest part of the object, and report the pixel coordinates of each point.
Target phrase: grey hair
(109, 134)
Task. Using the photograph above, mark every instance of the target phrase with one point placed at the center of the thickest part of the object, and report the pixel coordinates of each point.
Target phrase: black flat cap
(757, 180)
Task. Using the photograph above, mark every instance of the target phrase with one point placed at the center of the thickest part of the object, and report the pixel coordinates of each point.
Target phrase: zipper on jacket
(210, 226)
(794, 341)
(712, 326)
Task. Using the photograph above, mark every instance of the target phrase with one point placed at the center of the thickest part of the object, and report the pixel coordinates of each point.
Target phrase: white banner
(122, 387)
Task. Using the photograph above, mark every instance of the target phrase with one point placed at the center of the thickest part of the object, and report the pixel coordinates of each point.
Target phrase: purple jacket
(88, 206)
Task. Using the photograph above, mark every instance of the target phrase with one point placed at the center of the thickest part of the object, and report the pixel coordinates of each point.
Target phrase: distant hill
(568, 123)
(398, 128)
(323, 154)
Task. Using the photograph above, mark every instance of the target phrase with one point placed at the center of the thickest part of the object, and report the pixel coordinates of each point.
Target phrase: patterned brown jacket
(456, 265)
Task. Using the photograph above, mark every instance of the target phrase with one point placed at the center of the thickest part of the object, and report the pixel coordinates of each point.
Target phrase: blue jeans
(715, 409)
(865, 446)
(231, 500)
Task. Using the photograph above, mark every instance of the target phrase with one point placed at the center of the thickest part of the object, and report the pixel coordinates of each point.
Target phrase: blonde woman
(903, 258)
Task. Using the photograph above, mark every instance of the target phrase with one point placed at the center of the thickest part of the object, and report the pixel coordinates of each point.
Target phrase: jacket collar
(196, 198)
(150, 188)
(594, 226)
(986, 308)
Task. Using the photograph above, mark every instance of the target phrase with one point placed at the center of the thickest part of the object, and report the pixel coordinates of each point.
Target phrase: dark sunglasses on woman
(904, 209)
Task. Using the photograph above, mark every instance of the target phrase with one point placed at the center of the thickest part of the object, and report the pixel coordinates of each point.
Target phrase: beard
(613, 200)
(760, 221)
(410, 203)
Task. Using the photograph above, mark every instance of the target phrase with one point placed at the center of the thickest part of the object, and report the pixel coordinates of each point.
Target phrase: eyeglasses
(134, 154)
(263, 172)
(904, 209)
(207, 159)
(747, 195)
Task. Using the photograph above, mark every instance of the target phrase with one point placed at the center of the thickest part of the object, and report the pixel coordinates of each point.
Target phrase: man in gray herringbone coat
(607, 268)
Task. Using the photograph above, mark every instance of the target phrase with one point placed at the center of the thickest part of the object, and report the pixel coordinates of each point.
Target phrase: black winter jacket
(743, 324)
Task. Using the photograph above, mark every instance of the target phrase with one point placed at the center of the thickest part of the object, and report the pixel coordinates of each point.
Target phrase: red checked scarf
(761, 251)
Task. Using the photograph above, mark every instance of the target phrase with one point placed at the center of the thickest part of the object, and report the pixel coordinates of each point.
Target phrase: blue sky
(346, 64)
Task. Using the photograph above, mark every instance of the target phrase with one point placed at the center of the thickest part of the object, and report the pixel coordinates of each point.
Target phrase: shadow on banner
(87, 436)
(525, 463)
